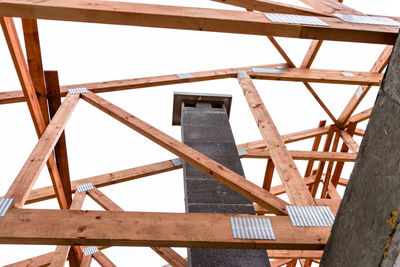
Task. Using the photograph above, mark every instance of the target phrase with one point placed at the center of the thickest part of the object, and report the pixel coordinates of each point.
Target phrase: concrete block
(211, 191)
(204, 257)
(211, 117)
(220, 208)
(192, 172)
(206, 134)
(220, 150)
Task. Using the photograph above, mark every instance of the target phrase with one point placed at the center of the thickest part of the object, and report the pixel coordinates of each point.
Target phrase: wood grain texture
(115, 228)
(26, 178)
(284, 164)
(188, 18)
(268, 6)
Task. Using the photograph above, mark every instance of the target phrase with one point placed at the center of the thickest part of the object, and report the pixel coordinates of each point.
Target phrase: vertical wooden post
(53, 95)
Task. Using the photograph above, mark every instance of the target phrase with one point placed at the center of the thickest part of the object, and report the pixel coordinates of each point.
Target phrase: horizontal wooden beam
(45, 193)
(40, 261)
(333, 204)
(304, 155)
(268, 6)
(62, 252)
(281, 262)
(322, 76)
(289, 138)
(359, 117)
(166, 253)
(280, 189)
(359, 132)
(29, 173)
(294, 254)
(291, 74)
(219, 172)
(190, 18)
(115, 228)
(137, 83)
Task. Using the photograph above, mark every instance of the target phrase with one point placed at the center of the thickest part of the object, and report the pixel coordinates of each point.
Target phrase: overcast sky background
(97, 144)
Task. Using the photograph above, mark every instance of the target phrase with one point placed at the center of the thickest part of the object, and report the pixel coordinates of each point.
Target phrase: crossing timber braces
(42, 93)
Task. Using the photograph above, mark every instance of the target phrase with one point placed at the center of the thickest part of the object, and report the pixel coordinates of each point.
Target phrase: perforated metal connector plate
(368, 20)
(81, 90)
(348, 74)
(295, 19)
(320, 216)
(5, 204)
(242, 74)
(252, 228)
(84, 187)
(242, 152)
(177, 161)
(269, 71)
(90, 250)
(184, 75)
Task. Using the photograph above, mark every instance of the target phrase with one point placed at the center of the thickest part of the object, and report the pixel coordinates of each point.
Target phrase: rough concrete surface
(368, 215)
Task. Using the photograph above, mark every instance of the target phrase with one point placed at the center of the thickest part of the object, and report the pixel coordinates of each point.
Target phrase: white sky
(98, 144)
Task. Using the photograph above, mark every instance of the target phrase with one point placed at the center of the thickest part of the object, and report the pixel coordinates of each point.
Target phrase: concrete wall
(368, 215)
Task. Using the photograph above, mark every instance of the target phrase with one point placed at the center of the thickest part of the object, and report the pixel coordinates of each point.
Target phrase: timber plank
(200, 161)
(26, 178)
(115, 228)
(284, 164)
(189, 18)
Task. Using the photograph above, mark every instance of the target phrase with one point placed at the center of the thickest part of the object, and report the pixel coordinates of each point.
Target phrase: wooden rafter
(200, 161)
(60, 149)
(329, 169)
(311, 54)
(291, 74)
(103, 260)
(29, 173)
(314, 147)
(34, 56)
(189, 18)
(304, 155)
(359, 117)
(349, 141)
(268, 6)
(321, 165)
(339, 165)
(299, 254)
(29, 92)
(136, 83)
(331, 7)
(283, 161)
(362, 91)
